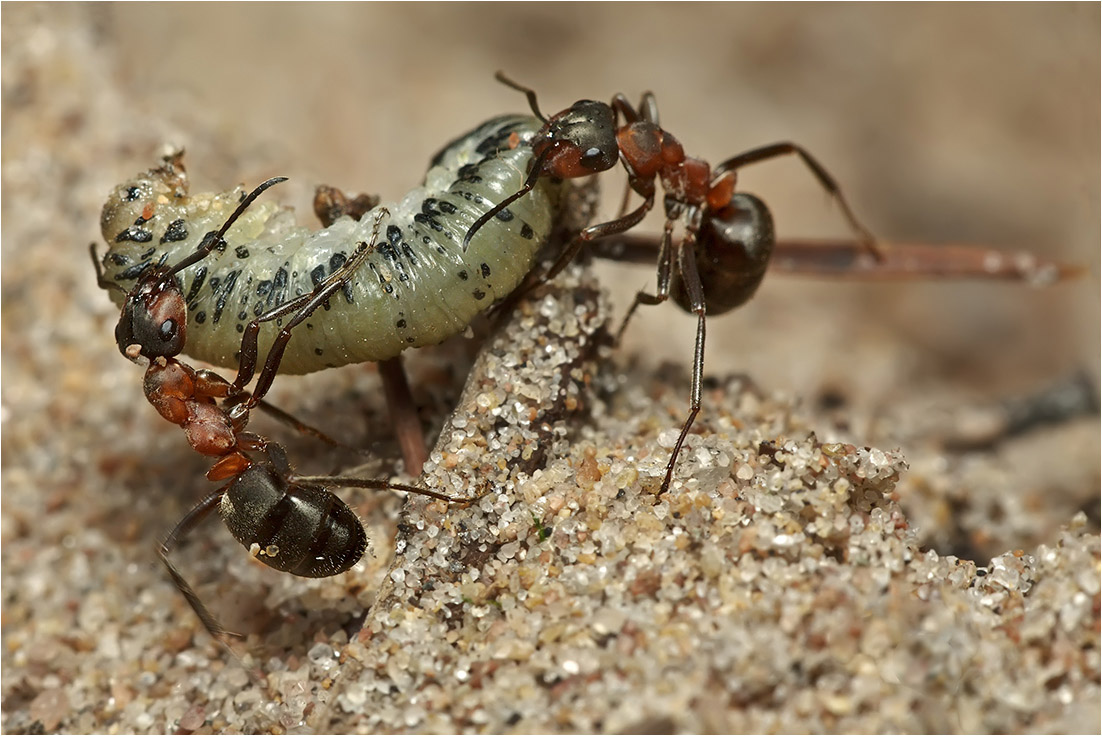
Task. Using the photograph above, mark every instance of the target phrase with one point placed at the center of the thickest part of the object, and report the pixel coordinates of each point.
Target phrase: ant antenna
(528, 92)
(214, 237)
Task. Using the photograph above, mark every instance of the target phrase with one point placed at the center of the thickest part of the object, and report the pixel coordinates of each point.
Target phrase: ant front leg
(824, 178)
(594, 232)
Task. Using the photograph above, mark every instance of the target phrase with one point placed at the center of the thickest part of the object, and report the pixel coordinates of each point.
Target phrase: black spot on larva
(132, 193)
(241, 252)
(196, 283)
(134, 235)
(478, 294)
(240, 328)
(318, 274)
(150, 253)
(409, 340)
(400, 324)
(485, 268)
(222, 294)
(505, 215)
(462, 275)
(495, 142)
(526, 231)
(118, 259)
(388, 251)
(175, 232)
(317, 351)
(200, 317)
(336, 261)
(263, 288)
(447, 207)
(428, 221)
(393, 235)
(242, 315)
(279, 287)
(468, 173)
(346, 289)
(141, 220)
(133, 272)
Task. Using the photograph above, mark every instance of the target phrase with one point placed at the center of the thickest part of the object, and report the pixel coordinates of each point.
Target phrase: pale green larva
(417, 287)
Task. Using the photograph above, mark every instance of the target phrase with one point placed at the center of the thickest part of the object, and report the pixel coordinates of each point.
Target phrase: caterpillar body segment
(417, 287)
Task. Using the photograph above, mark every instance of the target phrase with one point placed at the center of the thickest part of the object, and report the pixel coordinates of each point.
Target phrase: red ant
(289, 522)
(728, 239)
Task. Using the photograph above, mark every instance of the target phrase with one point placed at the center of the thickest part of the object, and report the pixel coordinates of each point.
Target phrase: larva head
(579, 141)
(132, 204)
(153, 320)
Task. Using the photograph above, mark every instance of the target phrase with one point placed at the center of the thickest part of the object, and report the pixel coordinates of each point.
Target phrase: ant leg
(301, 308)
(648, 108)
(695, 290)
(665, 269)
(375, 484)
(403, 414)
(825, 179)
(210, 385)
(192, 519)
(533, 176)
(101, 280)
(602, 230)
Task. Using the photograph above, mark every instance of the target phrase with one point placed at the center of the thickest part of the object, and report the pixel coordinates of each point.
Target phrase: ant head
(580, 140)
(154, 315)
(153, 318)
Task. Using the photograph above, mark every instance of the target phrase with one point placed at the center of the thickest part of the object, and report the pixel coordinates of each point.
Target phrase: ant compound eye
(598, 159)
(168, 330)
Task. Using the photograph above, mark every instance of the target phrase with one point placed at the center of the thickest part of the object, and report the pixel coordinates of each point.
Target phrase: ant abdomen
(733, 249)
(297, 528)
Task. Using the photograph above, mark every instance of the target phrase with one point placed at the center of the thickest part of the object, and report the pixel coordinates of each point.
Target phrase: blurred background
(942, 122)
